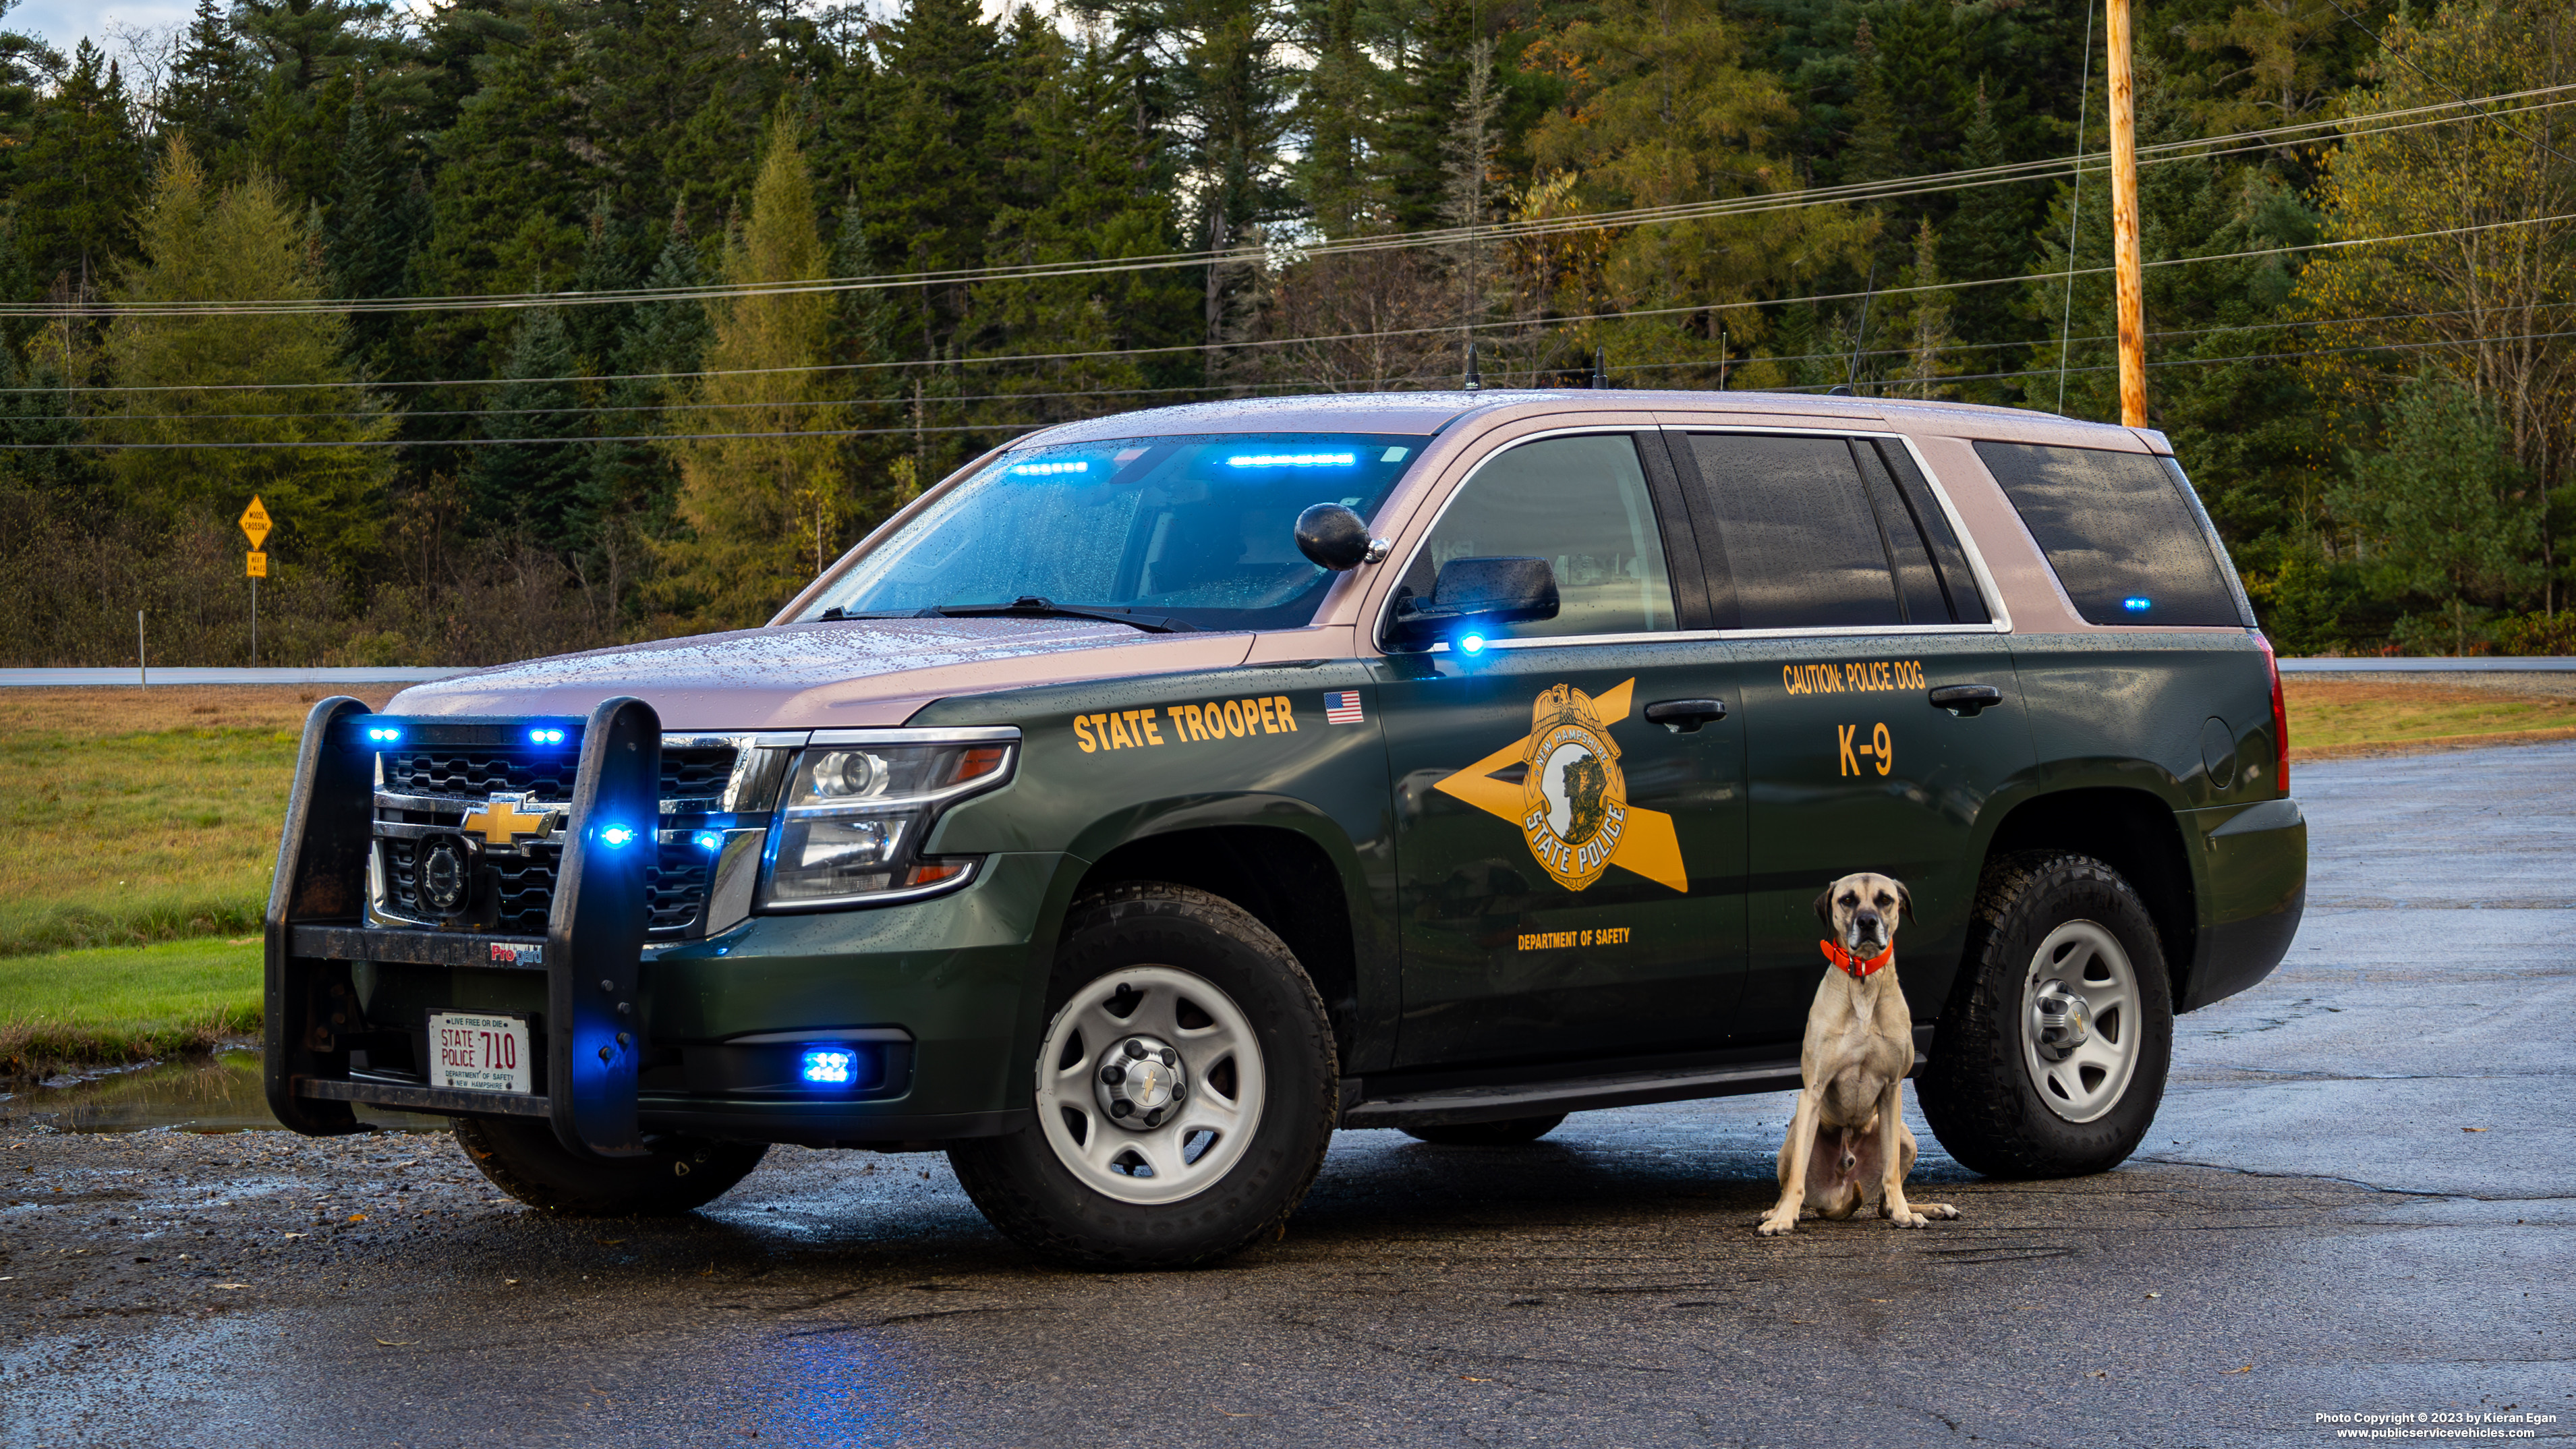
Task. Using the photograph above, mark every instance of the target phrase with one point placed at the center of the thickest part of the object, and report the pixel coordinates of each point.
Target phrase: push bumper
(940, 997)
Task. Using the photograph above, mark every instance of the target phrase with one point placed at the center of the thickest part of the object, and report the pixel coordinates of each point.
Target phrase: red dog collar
(1858, 968)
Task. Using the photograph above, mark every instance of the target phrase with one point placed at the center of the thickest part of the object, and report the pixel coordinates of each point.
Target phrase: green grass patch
(127, 1003)
(2328, 716)
(121, 839)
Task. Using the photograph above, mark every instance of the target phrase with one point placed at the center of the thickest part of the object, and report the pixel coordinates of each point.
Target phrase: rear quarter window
(2126, 544)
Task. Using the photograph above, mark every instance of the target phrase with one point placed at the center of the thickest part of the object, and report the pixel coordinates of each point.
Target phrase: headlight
(850, 827)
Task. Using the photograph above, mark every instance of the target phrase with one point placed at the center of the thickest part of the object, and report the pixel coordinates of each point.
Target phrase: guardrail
(163, 674)
(2468, 664)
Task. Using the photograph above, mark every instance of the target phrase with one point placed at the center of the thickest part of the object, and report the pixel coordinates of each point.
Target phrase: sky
(62, 23)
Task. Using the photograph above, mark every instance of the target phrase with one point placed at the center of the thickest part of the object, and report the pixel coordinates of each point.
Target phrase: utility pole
(2126, 268)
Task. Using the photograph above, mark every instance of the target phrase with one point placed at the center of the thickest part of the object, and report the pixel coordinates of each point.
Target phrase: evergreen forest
(545, 324)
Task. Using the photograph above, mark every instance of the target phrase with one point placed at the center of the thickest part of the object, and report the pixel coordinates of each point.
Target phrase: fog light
(830, 1066)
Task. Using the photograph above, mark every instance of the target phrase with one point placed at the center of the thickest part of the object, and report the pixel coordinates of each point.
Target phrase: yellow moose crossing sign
(254, 521)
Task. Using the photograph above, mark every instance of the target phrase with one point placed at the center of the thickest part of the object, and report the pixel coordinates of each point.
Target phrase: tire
(522, 1158)
(2006, 1091)
(1509, 1133)
(1166, 968)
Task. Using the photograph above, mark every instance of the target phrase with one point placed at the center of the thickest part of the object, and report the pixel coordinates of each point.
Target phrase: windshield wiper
(1030, 606)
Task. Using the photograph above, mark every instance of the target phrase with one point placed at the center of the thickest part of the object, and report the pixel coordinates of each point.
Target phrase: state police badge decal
(1574, 800)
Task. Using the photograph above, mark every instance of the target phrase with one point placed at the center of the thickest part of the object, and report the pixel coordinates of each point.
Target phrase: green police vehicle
(1163, 792)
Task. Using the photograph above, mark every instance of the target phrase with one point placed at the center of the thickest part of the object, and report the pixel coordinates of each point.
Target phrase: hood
(822, 676)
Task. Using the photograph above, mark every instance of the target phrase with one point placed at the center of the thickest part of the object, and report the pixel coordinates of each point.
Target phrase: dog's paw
(1908, 1220)
(1777, 1225)
(1940, 1210)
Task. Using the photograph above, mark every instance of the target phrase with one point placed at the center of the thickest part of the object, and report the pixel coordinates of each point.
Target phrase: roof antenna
(1473, 383)
(1600, 371)
(1869, 290)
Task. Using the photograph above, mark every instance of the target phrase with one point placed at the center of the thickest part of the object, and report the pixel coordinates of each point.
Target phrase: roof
(1425, 413)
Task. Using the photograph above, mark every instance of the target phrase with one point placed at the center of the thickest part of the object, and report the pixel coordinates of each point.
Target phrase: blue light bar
(830, 1066)
(2137, 603)
(383, 734)
(707, 840)
(545, 735)
(614, 836)
(1032, 470)
(1292, 460)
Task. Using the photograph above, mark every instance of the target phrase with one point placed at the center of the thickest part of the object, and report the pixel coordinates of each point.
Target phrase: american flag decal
(1342, 706)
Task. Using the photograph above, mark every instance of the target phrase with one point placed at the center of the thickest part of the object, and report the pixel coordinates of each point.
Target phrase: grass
(136, 815)
(2335, 717)
(126, 1003)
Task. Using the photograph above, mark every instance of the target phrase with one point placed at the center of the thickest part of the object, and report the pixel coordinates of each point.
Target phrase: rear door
(1566, 869)
(1854, 601)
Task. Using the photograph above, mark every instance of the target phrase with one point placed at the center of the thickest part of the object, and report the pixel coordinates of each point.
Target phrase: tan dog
(1848, 1143)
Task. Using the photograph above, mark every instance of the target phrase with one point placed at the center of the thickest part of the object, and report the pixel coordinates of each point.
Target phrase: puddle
(220, 1093)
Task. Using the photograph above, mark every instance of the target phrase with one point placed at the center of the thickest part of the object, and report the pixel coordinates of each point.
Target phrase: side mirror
(1336, 538)
(1478, 591)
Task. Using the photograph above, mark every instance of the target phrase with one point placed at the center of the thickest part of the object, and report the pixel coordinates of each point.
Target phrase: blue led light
(1292, 460)
(707, 840)
(1032, 470)
(615, 835)
(1471, 643)
(2137, 604)
(830, 1066)
(383, 734)
(545, 735)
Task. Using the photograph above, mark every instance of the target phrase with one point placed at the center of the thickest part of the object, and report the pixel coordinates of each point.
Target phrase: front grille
(515, 894)
(476, 773)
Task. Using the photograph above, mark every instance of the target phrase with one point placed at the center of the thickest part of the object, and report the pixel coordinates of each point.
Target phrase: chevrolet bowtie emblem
(502, 822)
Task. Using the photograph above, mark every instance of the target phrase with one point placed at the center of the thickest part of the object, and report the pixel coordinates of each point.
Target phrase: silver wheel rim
(2080, 1025)
(1220, 1060)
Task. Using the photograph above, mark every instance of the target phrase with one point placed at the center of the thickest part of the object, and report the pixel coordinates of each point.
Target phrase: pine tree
(1431, 81)
(80, 177)
(628, 488)
(1988, 237)
(763, 507)
(927, 191)
(241, 244)
(531, 484)
(212, 88)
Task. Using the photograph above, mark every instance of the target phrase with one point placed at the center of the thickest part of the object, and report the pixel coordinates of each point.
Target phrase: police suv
(1162, 792)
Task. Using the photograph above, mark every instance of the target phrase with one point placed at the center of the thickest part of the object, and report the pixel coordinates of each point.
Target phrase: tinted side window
(1949, 561)
(1580, 503)
(1802, 543)
(2119, 534)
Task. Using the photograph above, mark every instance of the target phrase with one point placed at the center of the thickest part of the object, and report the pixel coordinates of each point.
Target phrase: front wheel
(523, 1158)
(2051, 1057)
(1186, 1088)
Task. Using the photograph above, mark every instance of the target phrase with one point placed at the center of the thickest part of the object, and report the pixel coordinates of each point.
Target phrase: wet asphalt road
(2313, 1228)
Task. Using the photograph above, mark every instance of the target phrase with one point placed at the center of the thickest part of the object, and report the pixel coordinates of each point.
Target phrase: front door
(1839, 550)
(1566, 869)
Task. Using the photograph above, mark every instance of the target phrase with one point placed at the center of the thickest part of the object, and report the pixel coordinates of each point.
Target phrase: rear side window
(1582, 504)
(2119, 533)
(1831, 533)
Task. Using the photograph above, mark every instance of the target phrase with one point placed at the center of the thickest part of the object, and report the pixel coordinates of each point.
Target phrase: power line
(1523, 325)
(2407, 61)
(1895, 188)
(500, 442)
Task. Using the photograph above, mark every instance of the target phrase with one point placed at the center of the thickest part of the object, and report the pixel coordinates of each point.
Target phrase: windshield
(1194, 532)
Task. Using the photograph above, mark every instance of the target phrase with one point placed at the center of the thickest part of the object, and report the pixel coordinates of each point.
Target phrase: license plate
(479, 1053)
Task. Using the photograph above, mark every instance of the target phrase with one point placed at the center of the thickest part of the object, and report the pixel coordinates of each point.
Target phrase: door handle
(1965, 700)
(1685, 716)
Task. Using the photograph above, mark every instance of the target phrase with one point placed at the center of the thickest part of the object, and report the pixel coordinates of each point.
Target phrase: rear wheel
(2051, 1057)
(1185, 1090)
(523, 1158)
(1510, 1133)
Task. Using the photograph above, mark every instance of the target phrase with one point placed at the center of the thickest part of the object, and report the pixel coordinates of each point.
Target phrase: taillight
(2280, 721)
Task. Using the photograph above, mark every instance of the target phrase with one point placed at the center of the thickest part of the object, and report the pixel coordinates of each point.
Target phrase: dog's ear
(1904, 900)
(1825, 907)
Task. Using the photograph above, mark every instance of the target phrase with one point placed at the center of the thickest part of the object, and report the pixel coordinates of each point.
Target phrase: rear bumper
(2255, 875)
